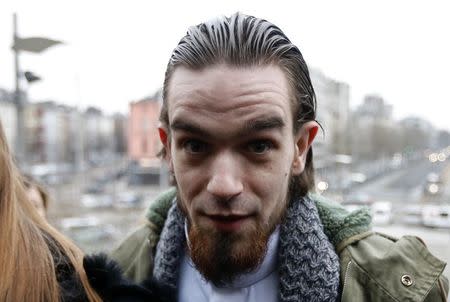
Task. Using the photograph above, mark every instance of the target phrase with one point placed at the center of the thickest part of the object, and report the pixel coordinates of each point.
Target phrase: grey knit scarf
(308, 264)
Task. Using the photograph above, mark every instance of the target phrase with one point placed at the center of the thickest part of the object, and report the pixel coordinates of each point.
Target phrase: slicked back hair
(243, 41)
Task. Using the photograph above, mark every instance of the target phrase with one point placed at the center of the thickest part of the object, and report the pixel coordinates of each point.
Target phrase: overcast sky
(116, 51)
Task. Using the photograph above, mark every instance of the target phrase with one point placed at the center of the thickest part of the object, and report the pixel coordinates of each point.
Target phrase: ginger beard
(222, 256)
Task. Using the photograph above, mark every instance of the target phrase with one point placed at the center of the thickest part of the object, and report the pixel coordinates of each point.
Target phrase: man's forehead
(221, 89)
(224, 79)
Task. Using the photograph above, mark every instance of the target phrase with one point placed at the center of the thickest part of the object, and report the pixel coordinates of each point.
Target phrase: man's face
(233, 152)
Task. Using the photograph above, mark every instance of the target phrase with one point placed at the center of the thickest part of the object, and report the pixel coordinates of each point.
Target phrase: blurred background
(80, 94)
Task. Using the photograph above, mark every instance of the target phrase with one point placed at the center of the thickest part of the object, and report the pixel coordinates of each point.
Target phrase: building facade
(333, 112)
(143, 140)
(47, 131)
(8, 117)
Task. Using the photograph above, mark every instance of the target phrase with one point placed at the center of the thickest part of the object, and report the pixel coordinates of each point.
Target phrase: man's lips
(228, 222)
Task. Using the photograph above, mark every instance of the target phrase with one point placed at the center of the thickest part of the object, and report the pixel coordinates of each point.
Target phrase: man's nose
(225, 179)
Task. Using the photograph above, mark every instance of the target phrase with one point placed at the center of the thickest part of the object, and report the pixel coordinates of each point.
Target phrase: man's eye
(194, 146)
(260, 147)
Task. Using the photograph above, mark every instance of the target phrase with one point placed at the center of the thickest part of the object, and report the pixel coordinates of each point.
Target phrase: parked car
(382, 212)
(96, 200)
(411, 214)
(79, 222)
(128, 200)
(433, 185)
(436, 216)
(94, 189)
(356, 201)
(87, 230)
(94, 234)
(358, 198)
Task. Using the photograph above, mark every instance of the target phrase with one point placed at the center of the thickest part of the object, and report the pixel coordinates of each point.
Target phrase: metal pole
(79, 148)
(19, 150)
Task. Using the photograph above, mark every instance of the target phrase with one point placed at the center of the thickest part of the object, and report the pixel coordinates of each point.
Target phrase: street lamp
(31, 77)
(34, 45)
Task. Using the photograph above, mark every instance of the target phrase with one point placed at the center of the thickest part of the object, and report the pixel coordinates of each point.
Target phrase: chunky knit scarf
(308, 264)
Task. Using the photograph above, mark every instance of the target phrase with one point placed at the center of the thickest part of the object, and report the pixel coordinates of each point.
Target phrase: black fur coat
(106, 277)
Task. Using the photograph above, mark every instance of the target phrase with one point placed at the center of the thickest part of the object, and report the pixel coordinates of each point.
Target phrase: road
(404, 187)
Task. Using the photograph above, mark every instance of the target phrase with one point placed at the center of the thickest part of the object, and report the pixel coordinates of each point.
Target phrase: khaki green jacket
(374, 267)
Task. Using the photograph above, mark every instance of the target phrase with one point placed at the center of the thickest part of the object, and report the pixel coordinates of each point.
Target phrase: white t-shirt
(260, 285)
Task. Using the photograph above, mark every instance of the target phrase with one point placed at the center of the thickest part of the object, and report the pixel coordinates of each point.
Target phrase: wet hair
(243, 41)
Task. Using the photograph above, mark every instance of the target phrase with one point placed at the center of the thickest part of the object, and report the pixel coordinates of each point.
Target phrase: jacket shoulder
(382, 268)
(134, 255)
(339, 224)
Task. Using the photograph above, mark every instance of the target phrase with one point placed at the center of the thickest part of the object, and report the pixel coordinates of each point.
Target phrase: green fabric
(134, 254)
(157, 212)
(338, 223)
(372, 264)
(376, 265)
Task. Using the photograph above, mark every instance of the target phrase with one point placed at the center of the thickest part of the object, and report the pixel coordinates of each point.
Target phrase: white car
(436, 216)
(411, 214)
(381, 212)
(96, 200)
(79, 222)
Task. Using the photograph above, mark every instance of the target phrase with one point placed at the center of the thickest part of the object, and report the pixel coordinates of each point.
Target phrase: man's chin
(221, 256)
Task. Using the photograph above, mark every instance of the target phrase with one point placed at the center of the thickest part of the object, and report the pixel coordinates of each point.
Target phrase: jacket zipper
(346, 275)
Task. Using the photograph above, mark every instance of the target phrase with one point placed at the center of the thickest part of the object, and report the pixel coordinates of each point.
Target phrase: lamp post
(34, 45)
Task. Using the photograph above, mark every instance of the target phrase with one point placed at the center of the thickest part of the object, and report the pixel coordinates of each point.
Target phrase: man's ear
(165, 140)
(303, 140)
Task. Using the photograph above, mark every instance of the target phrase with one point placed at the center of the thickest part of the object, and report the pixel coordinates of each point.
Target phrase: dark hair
(243, 40)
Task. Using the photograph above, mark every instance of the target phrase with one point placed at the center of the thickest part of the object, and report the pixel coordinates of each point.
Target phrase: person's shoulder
(392, 269)
(339, 224)
(157, 211)
(70, 287)
(135, 252)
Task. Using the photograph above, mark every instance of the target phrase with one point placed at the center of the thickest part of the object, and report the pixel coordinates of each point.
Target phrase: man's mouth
(228, 223)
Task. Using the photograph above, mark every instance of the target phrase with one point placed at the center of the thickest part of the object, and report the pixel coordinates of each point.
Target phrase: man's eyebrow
(251, 126)
(189, 127)
(262, 124)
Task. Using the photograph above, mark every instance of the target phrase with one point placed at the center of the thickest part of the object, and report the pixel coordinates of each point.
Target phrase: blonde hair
(30, 248)
(29, 183)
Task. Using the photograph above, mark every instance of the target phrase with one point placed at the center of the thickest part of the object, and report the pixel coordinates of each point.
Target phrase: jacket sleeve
(380, 269)
(439, 292)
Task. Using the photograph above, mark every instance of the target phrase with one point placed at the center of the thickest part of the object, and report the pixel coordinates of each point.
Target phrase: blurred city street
(96, 208)
(406, 189)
